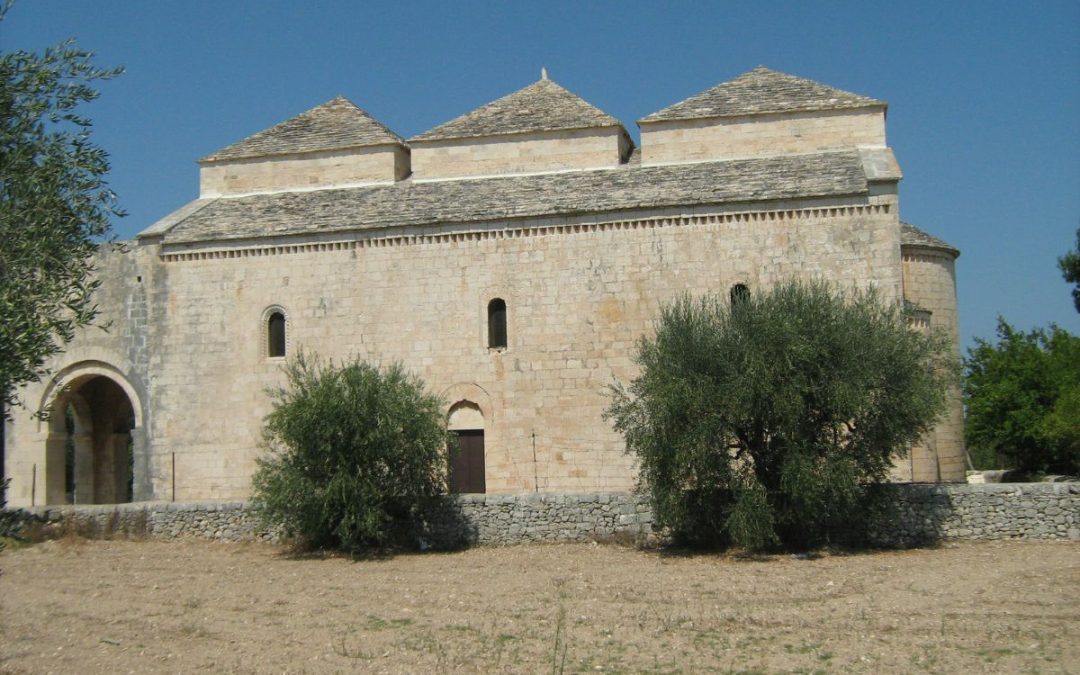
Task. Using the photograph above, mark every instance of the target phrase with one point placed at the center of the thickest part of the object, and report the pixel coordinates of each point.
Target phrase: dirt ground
(181, 607)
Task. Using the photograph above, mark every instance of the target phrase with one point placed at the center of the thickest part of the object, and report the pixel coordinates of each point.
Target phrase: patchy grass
(121, 606)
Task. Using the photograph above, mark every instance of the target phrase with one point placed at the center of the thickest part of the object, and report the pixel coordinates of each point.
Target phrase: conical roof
(762, 91)
(334, 125)
(541, 106)
(913, 236)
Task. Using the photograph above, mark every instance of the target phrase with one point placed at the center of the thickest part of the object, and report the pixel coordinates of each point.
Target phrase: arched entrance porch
(90, 449)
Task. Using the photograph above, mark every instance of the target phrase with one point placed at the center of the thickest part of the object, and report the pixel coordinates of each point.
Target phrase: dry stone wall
(923, 513)
(514, 519)
(920, 514)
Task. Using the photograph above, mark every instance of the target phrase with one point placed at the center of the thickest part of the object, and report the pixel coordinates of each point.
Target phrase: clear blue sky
(984, 97)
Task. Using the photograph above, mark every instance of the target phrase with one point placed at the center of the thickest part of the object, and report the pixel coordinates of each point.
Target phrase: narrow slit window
(275, 335)
(497, 324)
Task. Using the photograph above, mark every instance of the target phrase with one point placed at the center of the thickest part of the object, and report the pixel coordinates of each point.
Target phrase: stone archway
(90, 449)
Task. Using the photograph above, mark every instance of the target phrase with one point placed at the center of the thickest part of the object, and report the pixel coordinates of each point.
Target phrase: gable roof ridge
(543, 105)
(759, 91)
(334, 125)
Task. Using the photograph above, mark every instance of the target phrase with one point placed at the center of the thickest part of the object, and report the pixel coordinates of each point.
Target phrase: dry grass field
(74, 606)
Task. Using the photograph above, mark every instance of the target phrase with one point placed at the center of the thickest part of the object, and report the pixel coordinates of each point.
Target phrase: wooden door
(467, 462)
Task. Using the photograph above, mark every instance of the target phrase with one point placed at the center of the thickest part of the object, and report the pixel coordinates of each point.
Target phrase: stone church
(510, 257)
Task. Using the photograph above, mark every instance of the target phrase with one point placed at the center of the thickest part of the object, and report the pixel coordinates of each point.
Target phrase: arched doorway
(90, 452)
(467, 470)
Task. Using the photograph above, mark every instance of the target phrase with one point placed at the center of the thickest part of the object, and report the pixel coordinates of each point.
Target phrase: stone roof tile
(409, 203)
(334, 125)
(541, 106)
(761, 91)
(913, 236)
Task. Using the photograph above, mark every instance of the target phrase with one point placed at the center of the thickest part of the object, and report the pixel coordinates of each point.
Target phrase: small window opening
(275, 333)
(497, 324)
(739, 294)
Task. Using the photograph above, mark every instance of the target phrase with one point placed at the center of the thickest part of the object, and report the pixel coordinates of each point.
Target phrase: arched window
(275, 334)
(497, 324)
(739, 293)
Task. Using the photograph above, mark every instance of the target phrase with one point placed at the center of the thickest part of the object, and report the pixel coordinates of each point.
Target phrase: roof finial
(543, 73)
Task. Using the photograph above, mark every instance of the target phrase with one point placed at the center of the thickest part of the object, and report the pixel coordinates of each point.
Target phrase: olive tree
(764, 420)
(55, 206)
(354, 451)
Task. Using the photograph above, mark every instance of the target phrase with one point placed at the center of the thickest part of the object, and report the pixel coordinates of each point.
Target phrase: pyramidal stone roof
(762, 91)
(913, 236)
(334, 125)
(541, 106)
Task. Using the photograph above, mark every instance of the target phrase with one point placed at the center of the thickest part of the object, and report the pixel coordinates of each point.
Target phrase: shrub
(354, 451)
(763, 420)
(1023, 400)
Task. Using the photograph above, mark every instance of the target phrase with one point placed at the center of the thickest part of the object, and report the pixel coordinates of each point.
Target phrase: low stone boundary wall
(914, 514)
(920, 513)
(467, 520)
(225, 521)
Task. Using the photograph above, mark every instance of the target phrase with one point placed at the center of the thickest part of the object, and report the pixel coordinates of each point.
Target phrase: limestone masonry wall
(120, 346)
(373, 164)
(923, 514)
(576, 304)
(518, 153)
(725, 138)
(930, 282)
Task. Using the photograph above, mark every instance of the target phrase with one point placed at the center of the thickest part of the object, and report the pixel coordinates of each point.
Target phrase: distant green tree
(354, 452)
(765, 419)
(1070, 269)
(54, 207)
(1022, 397)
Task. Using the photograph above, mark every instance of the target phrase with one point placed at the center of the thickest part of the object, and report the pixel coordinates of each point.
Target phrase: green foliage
(355, 450)
(1070, 269)
(54, 205)
(1023, 400)
(764, 420)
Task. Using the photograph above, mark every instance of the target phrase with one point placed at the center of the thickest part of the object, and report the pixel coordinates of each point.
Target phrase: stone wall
(307, 171)
(577, 300)
(759, 135)
(224, 521)
(514, 519)
(920, 514)
(930, 282)
(924, 513)
(519, 153)
(129, 307)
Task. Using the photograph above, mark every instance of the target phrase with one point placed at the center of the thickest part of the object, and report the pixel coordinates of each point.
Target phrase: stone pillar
(84, 468)
(141, 472)
(50, 475)
(118, 451)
